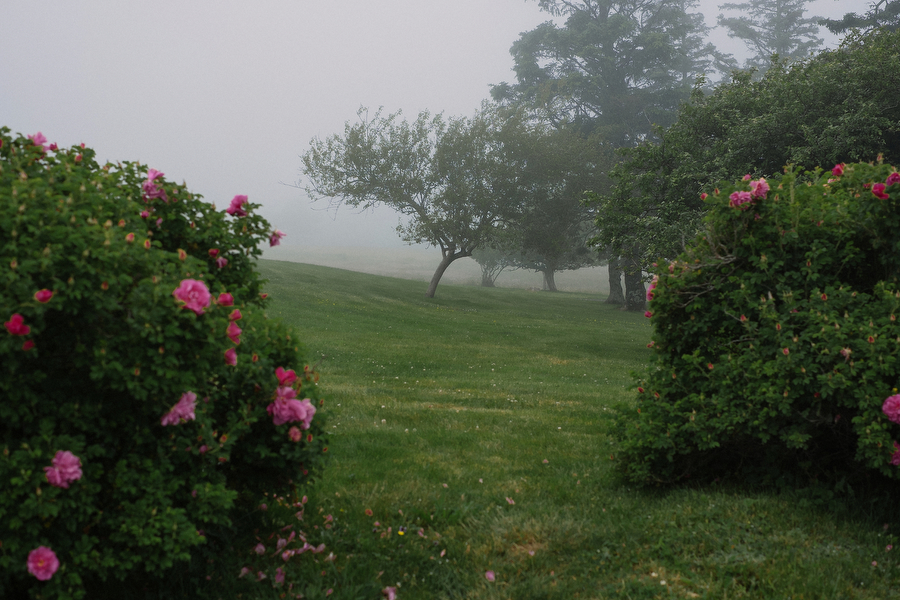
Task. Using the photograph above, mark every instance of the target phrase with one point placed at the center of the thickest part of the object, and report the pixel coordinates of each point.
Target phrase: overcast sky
(226, 95)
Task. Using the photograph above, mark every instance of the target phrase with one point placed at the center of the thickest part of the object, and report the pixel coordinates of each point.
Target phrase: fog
(227, 95)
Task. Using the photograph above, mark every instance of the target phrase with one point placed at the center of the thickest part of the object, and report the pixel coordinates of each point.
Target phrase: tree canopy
(615, 68)
(770, 27)
(883, 13)
(454, 178)
(838, 106)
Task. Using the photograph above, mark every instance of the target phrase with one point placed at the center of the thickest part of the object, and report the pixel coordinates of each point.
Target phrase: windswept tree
(769, 27)
(453, 178)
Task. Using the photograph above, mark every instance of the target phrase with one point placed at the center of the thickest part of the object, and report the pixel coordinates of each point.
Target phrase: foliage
(131, 447)
(615, 68)
(453, 178)
(836, 107)
(770, 27)
(774, 334)
(550, 231)
(883, 13)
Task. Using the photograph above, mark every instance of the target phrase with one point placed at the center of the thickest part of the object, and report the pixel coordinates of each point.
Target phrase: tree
(884, 14)
(769, 27)
(454, 178)
(839, 106)
(493, 261)
(616, 68)
(551, 230)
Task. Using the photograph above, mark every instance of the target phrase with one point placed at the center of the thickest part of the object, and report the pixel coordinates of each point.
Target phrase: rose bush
(135, 437)
(775, 337)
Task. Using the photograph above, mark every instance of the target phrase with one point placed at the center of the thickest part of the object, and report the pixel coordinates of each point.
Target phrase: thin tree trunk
(549, 281)
(635, 292)
(448, 257)
(615, 284)
(486, 279)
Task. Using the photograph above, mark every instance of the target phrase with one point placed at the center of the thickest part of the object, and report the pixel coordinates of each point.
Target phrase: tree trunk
(549, 281)
(635, 292)
(486, 279)
(449, 257)
(615, 284)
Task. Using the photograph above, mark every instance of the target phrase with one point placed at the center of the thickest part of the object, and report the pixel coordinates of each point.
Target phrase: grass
(479, 422)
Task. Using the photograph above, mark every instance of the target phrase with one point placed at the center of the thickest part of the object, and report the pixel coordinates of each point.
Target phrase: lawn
(474, 427)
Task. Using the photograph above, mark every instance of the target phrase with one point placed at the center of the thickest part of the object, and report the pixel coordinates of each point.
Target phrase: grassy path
(477, 421)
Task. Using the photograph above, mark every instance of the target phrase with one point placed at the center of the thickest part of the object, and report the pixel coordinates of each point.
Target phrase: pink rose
(183, 410)
(153, 174)
(231, 357)
(28, 345)
(194, 294)
(43, 296)
(221, 262)
(489, 575)
(235, 315)
(878, 190)
(213, 252)
(286, 409)
(225, 300)
(66, 469)
(838, 170)
(236, 207)
(892, 179)
(390, 593)
(279, 575)
(39, 140)
(891, 408)
(260, 549)
(234, 333)
(294, 434)
(16, 325)
(759, 188)
(895, 459)
(285, 377)
(42, 563)
(145, 214)
(648, 314)
(739, 199)
(275, 238)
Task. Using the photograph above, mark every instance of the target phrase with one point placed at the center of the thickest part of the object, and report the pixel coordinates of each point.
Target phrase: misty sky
(226, 95)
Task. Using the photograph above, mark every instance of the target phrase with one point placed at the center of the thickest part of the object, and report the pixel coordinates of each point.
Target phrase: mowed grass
(479, 422)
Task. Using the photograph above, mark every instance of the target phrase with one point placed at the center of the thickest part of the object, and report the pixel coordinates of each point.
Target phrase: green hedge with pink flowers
(147, 404)
(775, 337)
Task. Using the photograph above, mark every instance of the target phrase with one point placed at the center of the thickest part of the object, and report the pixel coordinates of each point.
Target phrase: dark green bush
(97, 349)
(774, 335)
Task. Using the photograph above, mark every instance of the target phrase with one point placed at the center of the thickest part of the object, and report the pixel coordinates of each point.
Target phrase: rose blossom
(194, 294)
(213, 252)
(892, 179)
(236, 207)
(231, 357)
(234, 332)
(42, 563)
(184, 409)
(153, 174)
(66, 469)
(286, 409)
(895, 460)
(294, 434)
(38, 140)
(285, 377)
(16, 325)
(759, 188)
(221, 262)
(891, 408)
(43, 296)
(225, 300)
(275, 238)
(878, 190)
(739, 199)
(838, 170)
